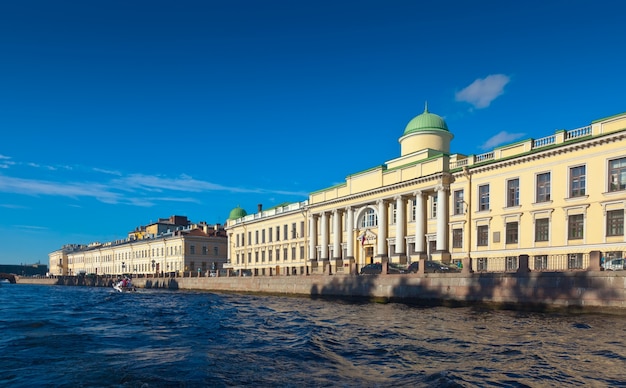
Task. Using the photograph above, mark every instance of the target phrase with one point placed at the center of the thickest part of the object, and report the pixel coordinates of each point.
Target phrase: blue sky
(116, 113)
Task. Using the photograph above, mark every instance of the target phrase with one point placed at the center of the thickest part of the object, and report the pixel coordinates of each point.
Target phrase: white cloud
(483, 91)
(502, 137)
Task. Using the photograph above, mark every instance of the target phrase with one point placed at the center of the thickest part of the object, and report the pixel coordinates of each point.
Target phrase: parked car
(433, 267)
(614, 264)
(372, 269)
(377, 268)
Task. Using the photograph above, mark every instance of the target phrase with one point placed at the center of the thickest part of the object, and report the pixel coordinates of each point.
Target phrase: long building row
(554, 199)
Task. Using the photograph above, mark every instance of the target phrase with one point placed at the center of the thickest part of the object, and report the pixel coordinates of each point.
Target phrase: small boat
(5, 281)
(124, 285)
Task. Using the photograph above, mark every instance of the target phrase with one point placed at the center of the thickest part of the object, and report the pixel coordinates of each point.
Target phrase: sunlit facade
(554, 199)
(170, 246)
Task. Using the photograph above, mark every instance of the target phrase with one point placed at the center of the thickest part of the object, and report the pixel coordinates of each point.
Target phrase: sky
(114, 114)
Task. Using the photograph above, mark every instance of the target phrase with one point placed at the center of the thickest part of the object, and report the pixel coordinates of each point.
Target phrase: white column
(400, 224)
(419, 222)
(382, 228)
(324, 242)
(337, 234)
(350, 231)
(312, 237)
(442, 218)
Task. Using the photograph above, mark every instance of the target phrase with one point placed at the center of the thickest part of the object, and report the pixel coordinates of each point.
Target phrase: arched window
(369, 219)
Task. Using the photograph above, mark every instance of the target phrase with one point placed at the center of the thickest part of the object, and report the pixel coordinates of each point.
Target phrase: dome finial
(426, 106)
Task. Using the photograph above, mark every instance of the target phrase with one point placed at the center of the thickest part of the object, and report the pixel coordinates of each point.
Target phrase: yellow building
(168, 246)
(554, 199)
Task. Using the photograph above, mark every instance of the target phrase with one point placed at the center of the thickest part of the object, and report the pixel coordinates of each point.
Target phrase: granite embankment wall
(592, 290)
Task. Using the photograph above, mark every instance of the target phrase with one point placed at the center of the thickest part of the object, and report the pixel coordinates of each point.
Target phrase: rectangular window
(615, 222)
(512, 192)
(301, 253)
(263, 256)
(458, 202)
(575, 226)
(263, 236)
(541, 262)
(294, 233)
(543, 187)
(482, 235)
(286, 231)
(205, 250)
(413, 207)
(483, 197)
(293, 253)
(301, 229)
(575, 261)
(192, 249)
(256, 236)
(278, 255)
(249, 237)
(269, 234)
(256, 257)
(512, 230)
(617, 174)
(277, 233)
(285, 251)
(511, 263)
(394, 213)
(433, 208)
(457, 238)
(481, 264)
(269, 255)
(577, 178)
(249, 257)
(542, 229)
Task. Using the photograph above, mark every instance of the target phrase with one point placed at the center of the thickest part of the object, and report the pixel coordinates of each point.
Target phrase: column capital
(398, 197)
(442, 188)
(418, 193)
(380, 202)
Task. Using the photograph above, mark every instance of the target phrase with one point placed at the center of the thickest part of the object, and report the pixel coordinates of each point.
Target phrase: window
(413, 207)
(541, 262)
(256, 257)
(269, 255)
(369, 219)
(577, 181)
(543, 187)
(512, 192)
(483, 197)
(263, 236)
(192, 249)
(285, 254)
(482, 235)
(249, 257)
(542, 229)
(575, 261)
(277, 233)
(433, 209)
(617, 174)
(481, 264)
(294, 234)
(615, 222)
(511, 263)
(458, 202)
(575, 226)
(286, 231)
(302, 253)
(278, 255)
(457, 238)
(293, 253)
(394, 213)
(301, 228)
(263, 256)
(511, 232)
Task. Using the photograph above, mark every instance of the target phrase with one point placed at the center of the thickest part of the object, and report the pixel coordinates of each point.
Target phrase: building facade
(554, 199)
(169, 246)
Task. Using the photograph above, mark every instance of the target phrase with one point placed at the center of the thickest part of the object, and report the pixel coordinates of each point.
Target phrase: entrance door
(432, 247)
(369, 255)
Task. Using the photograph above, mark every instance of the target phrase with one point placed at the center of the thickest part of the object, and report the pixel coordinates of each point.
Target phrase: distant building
(37, 269)
(554, 199)
(168, 246)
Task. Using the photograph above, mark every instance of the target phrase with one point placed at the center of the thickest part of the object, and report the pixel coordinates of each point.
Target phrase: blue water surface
(63, 336)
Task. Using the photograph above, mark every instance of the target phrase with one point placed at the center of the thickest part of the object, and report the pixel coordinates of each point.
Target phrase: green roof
(236, 213)
(426, 121)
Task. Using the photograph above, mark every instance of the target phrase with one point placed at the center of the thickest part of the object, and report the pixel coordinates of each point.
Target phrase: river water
(93, 337)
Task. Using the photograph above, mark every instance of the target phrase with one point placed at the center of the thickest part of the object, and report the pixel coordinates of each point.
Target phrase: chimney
(260, 207)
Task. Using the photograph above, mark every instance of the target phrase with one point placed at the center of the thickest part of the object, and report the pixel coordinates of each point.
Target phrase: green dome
(426, 121)
(237, 213)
